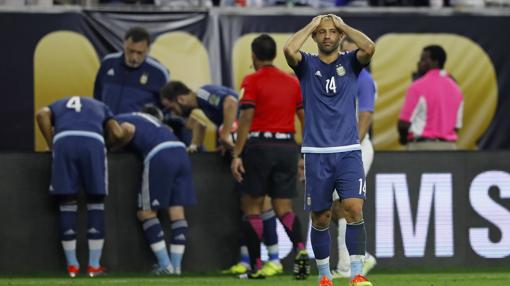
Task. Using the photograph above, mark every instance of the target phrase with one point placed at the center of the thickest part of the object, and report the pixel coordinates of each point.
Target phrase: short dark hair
(153, 110)
(173, 89)
(138, 34)
(437, 53)
(264, 47)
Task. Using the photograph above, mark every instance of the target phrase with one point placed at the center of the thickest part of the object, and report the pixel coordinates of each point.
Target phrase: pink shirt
(433, 106)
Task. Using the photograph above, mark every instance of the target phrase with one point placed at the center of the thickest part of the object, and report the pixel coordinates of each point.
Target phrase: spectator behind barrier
(433, 107)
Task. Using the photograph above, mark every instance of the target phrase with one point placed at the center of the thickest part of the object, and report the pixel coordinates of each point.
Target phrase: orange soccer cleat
(73, 271)
(94, 272)
(359, 280)
(325, 281)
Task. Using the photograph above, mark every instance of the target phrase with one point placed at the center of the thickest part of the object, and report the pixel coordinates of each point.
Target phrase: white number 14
(331, 85)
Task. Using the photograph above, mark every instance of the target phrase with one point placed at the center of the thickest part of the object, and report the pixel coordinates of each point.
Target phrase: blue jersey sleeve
(300, 69)
(355, 64)
(366, 92)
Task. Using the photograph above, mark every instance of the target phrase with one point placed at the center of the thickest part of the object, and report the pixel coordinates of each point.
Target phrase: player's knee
(281, 207)
(143, 215)
(353, 213)
(321, 220)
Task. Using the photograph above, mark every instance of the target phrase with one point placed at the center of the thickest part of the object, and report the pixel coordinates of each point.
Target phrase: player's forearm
(361, 40)
(198, 134)
(43, 118)
(301, 116)
(364, 121)
(229, 115)
(242, 132)
(297, 40)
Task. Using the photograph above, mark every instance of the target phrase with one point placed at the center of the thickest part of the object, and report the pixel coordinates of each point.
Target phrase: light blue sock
(161, 254)
(156, 238)
(178, 243)
(323, 268)
(67, 229)
(70, 252)
(95, 251)
(356, 265)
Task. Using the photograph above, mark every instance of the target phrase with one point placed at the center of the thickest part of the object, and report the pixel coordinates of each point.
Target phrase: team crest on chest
(340, 70)
(214, 100)
(144, 78)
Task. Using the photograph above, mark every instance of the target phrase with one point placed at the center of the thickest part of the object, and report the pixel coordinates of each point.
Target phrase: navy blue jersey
(210, 99)
(329, 99)
(126, 89)
(149, 133)
(79, 113)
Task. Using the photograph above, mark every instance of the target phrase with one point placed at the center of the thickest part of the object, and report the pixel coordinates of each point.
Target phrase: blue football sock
(95, 232)
(355, 238)
(178, 243)
(156, 239)
(67, 229)
(270, 237)
(321, 244)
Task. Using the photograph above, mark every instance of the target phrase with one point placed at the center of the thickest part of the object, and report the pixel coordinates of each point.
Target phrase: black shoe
(301, 265)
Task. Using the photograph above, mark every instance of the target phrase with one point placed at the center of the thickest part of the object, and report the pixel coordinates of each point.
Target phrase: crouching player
(166, 185)
(74, 129)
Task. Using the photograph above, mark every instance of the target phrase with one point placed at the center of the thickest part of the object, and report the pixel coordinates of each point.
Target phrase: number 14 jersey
(329, 99)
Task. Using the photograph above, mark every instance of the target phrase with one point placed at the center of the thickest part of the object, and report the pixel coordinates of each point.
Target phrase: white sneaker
(369, 263)
(337, 273)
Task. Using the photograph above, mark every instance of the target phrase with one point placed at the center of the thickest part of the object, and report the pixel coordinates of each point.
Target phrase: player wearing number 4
(330, 141)
(74, 129)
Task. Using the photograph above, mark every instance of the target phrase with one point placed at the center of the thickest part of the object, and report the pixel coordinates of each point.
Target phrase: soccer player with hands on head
(331, 144)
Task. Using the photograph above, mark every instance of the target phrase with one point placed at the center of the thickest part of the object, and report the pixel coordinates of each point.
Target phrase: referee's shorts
(270, 162)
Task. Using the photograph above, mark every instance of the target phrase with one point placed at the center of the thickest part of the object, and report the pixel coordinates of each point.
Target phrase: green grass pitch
(378, 279)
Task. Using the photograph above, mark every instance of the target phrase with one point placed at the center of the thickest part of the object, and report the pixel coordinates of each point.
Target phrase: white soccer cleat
(338, 273)
(369, 263)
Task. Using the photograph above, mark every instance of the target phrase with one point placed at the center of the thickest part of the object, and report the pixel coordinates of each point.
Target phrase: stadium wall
(439, 210)
(60, 50)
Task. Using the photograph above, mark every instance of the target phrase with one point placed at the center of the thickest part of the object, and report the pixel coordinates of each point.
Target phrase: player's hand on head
(337, 20)
(317, 20)
(237, 169)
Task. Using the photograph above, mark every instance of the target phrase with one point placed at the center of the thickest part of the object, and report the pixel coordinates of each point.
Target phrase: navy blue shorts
(79, 162)
(167, 180)
(326, 172)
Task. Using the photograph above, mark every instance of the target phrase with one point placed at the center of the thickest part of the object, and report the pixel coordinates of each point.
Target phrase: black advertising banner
(54, 54)
(423, 211)
(441, 209)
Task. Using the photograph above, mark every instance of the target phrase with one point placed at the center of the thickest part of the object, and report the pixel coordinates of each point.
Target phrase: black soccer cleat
(301, 269)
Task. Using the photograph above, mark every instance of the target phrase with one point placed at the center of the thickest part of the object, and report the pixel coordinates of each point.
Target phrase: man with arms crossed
(330, 142)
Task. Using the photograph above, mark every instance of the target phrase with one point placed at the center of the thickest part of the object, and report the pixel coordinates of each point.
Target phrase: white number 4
(331, 85)
(74, 103)
(362, 186)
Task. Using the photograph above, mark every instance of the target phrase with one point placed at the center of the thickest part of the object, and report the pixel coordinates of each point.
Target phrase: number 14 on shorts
(362, 186)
